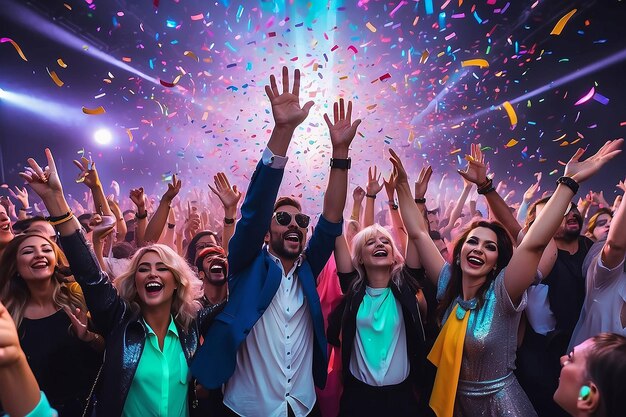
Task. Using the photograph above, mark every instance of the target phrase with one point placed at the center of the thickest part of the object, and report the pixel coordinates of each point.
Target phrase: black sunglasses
(284, 219)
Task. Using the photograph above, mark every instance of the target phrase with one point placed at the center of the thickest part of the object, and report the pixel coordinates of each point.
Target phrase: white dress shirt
(275, 361)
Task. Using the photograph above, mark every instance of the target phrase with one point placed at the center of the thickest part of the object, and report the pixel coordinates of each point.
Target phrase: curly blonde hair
(186, 298)
(357, 246)
(14, 292)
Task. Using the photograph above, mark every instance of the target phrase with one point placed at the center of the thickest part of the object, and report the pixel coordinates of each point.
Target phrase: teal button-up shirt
(160, 385)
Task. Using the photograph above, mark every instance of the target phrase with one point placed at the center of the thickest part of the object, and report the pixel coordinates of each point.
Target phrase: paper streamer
(55, 78)
(511, 112)
(481, 63)
(16, 46)
(97, 110)
(558, 28)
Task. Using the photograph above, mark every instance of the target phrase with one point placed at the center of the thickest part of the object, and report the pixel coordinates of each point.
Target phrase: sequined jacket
(121, 324)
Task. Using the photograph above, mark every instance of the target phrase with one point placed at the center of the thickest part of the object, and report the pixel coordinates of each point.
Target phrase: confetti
(172, 84)
(370, 27)
(61, 63)
(511, 113)
(353, 49)
(55, 78)
(16, 46)
(586, 97)
(558, 28)
(97, 110)
(511, 143)
(191, 55)
(481, 63)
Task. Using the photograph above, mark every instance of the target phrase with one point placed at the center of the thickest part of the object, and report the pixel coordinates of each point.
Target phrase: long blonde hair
(14, 291)
(357, 246)
(186, 298)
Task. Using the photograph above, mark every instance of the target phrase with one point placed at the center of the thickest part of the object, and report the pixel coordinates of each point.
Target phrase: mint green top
(159, 388)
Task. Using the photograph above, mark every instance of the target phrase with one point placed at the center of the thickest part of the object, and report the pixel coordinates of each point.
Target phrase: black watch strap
(340, 163)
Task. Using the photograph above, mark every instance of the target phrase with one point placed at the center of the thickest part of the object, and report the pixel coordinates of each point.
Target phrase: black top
(64, 366)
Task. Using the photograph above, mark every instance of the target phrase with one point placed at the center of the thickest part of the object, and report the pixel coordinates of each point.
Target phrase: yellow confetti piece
(511, 143)
(558, 28)
(205, 115)
(16, 46)
(560, 137)
(370, 27)
(55, 78)
(97, 110)
(424, 56)
(106, 80)
(345, 77)
(61, 63)
(454, 152)
(411, 137)
(511, 112)
(481, 63)
(130, 134)
(191, 55)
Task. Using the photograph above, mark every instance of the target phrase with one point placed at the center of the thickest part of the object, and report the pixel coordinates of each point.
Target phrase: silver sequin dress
(487, 386)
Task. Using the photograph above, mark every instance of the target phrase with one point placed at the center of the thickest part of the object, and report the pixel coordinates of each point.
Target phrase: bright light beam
(103, 136)
(39, 24)
(46, 109)
(604, 63)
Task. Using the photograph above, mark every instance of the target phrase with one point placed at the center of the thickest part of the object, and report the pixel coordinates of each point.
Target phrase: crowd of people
(160, 307)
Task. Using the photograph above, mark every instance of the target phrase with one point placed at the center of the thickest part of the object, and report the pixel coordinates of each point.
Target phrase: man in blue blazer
(267, 347)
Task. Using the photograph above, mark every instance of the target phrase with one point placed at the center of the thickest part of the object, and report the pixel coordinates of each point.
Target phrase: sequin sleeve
(443, 281)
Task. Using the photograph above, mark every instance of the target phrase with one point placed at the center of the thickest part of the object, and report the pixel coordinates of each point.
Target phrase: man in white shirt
(268, 346)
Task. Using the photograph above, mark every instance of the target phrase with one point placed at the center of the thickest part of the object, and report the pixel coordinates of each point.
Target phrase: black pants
(315, 412)
(362, 400)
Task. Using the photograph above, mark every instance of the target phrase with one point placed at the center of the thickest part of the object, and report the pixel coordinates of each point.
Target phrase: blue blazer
(253, 280)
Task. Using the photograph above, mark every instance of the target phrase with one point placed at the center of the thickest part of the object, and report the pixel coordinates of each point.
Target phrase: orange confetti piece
(191, 55)
(558, 28)
(55, 78)
(454, 152)
(564, 143)
(97, 110)
(127, 59)
(371, 107)
(511, 112)
(198, 16)
(511, 143)
(424, 56)
(61, 63)
(16, 46)
(481, 63)
(130, 134)
(370, 27)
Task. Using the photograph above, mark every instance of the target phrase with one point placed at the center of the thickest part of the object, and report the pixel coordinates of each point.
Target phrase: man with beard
(268, 345)
(553, 309)
(213, 270)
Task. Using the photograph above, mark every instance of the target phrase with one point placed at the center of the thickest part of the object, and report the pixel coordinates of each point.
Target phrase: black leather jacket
(121, 324)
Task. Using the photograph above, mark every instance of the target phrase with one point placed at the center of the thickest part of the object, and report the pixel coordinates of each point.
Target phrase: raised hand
(358, 194)
(529, 195)
(580, 171)
(286, 106)
(45, 182)
(399, 173)
(622, 185)
(116, 188)
(88, 173)
(421, 185)
(20, 195)
(341, 130)
(173, 189)
(476, 170)
(390, 186)
(229, 196)
(373, 181)
(138, 198)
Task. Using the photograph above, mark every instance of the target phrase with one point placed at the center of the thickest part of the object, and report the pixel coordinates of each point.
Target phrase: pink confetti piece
(586, 97)
(334, 48)
(353, 49)
(198, 16)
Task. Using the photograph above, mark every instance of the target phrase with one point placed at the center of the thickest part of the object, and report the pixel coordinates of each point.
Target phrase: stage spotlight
(102, 136)
(1, 93)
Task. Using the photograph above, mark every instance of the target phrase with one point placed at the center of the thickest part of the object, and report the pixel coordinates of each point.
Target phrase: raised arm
(396, 221)
(476, 173)
(522, 268)
(138, 198)
(456, 211)
(614, 249)
(158, 220)
(374, 185)
(89, 176)
(19, 391)
(357, 200)
(413, 219)
(229, 196)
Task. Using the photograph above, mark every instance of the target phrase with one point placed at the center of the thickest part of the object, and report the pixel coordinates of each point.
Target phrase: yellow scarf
(446, 355)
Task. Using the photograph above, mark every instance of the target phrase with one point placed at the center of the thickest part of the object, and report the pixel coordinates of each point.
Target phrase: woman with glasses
(51, 316)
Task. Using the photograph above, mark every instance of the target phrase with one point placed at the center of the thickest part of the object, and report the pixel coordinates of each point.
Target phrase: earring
(458, 260)
(584, 393)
